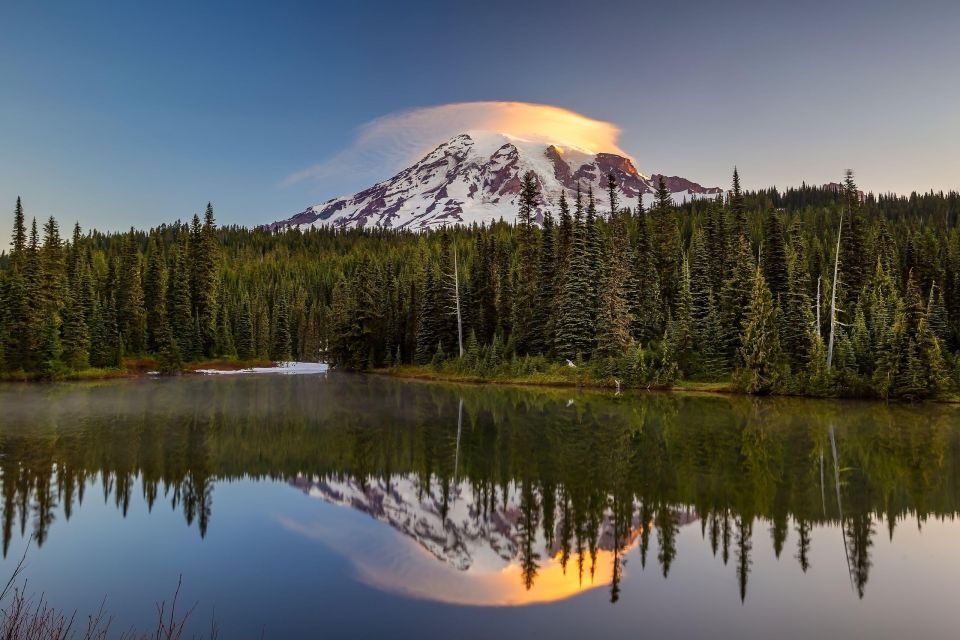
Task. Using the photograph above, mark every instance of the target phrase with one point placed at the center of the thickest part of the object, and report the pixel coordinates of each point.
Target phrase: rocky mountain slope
(476, 177)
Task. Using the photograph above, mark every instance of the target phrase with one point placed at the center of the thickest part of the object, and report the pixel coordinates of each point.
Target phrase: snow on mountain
(462, 534)
(476, 177)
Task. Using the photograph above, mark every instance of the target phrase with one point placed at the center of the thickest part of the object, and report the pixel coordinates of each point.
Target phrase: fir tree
(774, 258)
(180, 317)
(526, 283)
(155, 299)
(645, 300)
(426, 322)
(280, 346)
(545, 309)
(575, 322)
(246, 348)
(760, 354)
(613, 321)
(666, 243)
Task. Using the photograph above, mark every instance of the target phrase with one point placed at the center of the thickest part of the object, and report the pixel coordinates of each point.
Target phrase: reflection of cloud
(386, 559)
(392, 142)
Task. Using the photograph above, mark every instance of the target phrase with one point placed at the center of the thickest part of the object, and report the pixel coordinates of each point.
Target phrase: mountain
(455, 527)
(476, 177)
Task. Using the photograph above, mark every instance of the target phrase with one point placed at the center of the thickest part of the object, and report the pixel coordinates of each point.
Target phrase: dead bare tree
(453, 287)
(833, 296)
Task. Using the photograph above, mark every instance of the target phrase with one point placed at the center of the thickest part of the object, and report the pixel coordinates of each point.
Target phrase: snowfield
(475, 177)
(283, 368)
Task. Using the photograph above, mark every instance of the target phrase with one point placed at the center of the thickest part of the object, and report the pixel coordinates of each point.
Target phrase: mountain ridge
(475, 177)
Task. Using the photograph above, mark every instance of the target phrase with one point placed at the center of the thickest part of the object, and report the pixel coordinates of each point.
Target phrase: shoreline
(425, 373)
(135, 368)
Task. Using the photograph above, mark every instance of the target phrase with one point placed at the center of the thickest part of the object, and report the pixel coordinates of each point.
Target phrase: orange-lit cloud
(394, 141)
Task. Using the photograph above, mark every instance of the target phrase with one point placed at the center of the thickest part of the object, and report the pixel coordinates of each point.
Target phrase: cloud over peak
(392, 142)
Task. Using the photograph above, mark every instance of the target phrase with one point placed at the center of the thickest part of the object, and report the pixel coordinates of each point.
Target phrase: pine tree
(545, 309)
(666, 243)
(18, 244)
(246, 348)
(155, 299)
(646, 305)
(426, 322)
(204, 263)
(761, 368)
(774, 259)
(179, 314)
(76, 333)
(564, 236)
(736, 295)
(53, 267)
(738, 209)
(680, 334)
(798, 324)
(280, 346)
(575, 322)
(852, 245)
(131, 317)
(526, 282)
(613, 321)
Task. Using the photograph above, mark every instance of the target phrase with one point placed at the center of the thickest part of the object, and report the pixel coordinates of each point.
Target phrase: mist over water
(290, 501)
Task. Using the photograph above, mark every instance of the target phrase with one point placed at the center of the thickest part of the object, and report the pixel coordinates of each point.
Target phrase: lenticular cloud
(392, 142)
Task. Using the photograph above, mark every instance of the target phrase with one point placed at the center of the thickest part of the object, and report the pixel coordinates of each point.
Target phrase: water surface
(353, 506)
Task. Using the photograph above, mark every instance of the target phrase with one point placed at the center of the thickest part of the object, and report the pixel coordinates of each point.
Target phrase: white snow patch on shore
(284, 368)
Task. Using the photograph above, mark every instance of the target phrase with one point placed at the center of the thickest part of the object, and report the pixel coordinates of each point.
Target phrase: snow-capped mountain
(476, 177)
(462, 534)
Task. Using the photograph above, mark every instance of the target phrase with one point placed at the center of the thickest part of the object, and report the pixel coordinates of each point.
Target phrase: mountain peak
(475, 177)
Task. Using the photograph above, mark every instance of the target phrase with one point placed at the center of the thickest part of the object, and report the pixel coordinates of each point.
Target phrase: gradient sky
(135, 113)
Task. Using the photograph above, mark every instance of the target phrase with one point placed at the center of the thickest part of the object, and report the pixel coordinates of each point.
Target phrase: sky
(119, 114)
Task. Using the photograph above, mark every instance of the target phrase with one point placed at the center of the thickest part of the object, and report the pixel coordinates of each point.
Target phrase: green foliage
(646, 297)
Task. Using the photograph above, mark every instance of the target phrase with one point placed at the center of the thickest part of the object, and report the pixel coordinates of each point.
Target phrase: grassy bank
(563, 376)
(555, 375)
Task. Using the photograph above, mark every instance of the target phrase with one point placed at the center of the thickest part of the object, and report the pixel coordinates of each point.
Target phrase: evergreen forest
(822, 291)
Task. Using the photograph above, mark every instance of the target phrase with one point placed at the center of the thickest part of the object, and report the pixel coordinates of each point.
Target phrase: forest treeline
(740, 289)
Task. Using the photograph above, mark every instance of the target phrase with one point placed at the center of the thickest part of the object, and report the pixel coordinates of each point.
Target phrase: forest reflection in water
(503, 495)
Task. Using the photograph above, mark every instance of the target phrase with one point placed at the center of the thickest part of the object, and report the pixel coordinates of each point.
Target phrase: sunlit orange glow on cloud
(394, 141)
(387, 560)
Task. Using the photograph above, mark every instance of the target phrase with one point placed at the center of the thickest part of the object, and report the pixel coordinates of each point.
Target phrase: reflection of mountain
(459, 532)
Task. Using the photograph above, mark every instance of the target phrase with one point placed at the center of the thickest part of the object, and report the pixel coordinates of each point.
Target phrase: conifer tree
(646, 305)
(76, 333)
(736, 295)
(131, 318)
(53, 267)
(18, 244)
(738, 209)
(155, 299)
(575, 322)
(426, 322)
(179, 312)
(798, 324)
(774, 258)
(281, 346)
(761, 369)
(246, 348)
(666, 243)
(545, 310)
(526, 281)
(680, 334)
(613, 320)
(564, 236)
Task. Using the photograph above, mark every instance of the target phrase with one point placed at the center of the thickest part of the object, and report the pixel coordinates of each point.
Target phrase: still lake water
(357, 506)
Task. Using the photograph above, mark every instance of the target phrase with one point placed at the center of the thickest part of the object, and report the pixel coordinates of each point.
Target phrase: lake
(338, 505)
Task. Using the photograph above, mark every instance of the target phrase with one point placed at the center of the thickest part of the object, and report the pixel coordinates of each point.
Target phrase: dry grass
(29, 617)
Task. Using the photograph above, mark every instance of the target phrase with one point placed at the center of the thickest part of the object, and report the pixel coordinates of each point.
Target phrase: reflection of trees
(599, 474)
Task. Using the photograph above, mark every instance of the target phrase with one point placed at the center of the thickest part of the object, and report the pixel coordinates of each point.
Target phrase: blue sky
(130, 113)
